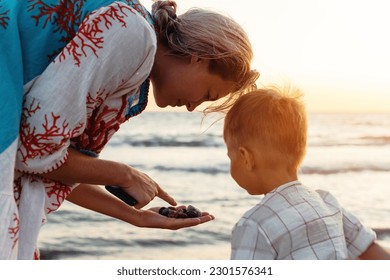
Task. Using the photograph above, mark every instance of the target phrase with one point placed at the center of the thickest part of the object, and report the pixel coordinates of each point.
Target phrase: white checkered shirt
(294, 222)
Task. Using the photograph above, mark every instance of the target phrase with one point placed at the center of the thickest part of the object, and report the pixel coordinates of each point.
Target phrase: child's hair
(270, 117)
(209, 35)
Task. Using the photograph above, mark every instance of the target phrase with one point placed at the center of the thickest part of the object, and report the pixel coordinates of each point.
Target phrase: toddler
(265, 133)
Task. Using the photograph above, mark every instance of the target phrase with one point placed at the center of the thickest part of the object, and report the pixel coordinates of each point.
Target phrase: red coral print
(56, 194)
(95, 102)
(4, 18)
(141, 10)
(17, 190)
(36, 144)
(37, 255)
(14, 231)
(32, 109)
(66, 15)
(90, 35)
(138, 7)
(101, 126)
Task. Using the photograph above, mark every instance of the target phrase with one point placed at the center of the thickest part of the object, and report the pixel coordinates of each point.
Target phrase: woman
(77, 70)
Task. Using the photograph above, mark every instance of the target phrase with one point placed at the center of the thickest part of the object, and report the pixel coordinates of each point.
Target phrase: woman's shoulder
(123, 32)
(130, 16)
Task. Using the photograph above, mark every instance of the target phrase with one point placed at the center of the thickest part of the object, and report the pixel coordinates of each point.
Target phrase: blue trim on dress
(86, 152)
(142, 102)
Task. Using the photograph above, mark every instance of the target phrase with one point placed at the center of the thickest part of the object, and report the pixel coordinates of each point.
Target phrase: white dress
(97, 82)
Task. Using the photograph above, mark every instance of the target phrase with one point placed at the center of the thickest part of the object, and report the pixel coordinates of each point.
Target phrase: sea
(348, 154)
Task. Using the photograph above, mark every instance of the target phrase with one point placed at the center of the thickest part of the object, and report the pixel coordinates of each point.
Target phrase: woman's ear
(248, 157)
(195, 59)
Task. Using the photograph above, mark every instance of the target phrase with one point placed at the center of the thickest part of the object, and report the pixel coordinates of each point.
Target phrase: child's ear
(248, 157)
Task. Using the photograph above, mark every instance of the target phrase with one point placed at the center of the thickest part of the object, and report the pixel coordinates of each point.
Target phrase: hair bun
(164, 14)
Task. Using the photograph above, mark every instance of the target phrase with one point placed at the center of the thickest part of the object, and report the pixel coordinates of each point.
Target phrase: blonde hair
(271, 117)
(209, 35)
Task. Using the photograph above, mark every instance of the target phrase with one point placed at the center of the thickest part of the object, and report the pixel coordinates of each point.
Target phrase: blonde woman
(73, 71)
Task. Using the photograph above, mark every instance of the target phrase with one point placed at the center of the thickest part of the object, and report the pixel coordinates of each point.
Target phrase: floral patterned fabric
(74, 71)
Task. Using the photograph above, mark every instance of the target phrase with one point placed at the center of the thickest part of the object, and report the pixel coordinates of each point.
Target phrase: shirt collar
(286, 185)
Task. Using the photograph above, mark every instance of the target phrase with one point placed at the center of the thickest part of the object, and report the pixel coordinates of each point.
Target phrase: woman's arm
(97, 199)
(89, 76)
(80, 168)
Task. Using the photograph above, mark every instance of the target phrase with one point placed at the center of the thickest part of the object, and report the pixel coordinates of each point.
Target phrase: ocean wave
(337, 170)
(382, 233)
(162, 242)
(77, 217)
(217, 142)
(91, 250)
(171, 141)
(349, 144)
(361, 141)
(225, 169)
(378, 140)
(58, 254)
(201, 169)
(80, 248)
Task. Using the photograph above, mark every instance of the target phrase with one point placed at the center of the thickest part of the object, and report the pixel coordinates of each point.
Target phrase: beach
(348, 154)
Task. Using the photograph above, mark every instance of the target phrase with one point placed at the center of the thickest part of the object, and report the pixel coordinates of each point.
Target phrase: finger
(165, 196)
(142, 202)
(205, 214)
(206, 218)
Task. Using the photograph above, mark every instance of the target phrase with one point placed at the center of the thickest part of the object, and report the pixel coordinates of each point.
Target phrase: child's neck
(277, 177)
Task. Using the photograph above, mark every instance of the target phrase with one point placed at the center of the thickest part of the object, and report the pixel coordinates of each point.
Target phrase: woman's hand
(143, 188)
(80, 168)
(152, 219)
(99, 200)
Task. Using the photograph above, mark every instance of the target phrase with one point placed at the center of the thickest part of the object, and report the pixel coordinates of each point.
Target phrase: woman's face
(186, 82)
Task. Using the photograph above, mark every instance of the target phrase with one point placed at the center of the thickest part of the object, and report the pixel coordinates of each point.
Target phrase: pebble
(180, 213)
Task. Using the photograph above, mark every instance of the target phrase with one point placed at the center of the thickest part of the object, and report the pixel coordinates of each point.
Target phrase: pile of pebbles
(180, 213)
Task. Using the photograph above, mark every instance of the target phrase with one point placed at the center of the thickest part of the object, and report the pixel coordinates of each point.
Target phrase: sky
(336, 51)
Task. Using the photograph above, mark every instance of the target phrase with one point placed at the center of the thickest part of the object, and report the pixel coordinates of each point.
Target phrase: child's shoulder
(257, 214)
(327, 197)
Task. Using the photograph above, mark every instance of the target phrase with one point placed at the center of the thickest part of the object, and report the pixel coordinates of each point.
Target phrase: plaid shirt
(293, 222)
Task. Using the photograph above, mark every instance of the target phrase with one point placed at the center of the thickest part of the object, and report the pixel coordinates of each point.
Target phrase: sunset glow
(337, 52)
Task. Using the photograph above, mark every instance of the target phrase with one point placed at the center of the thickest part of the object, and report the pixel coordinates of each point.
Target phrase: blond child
(265, 133)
